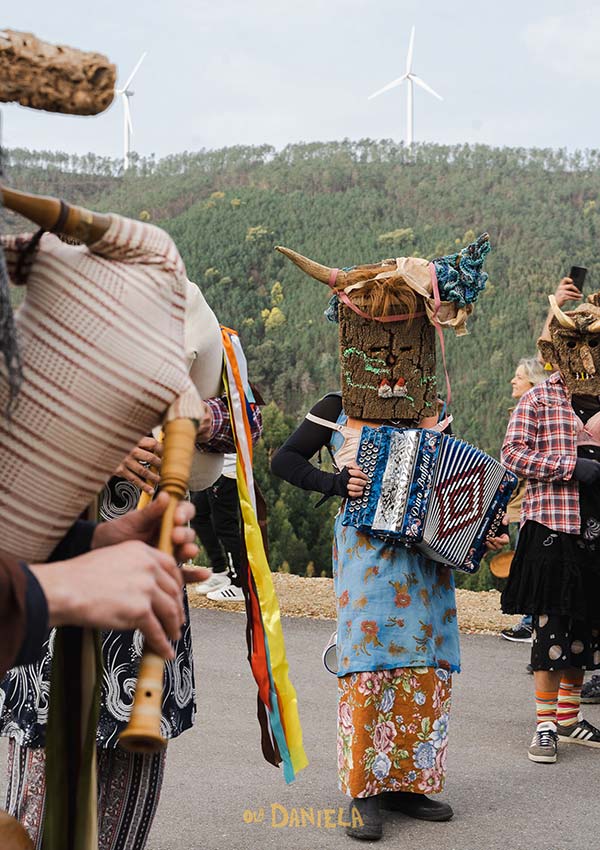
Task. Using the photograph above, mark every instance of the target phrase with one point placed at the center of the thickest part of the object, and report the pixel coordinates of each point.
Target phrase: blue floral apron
(395, 607)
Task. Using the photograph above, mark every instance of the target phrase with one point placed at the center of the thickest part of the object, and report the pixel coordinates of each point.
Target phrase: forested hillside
(345, 203)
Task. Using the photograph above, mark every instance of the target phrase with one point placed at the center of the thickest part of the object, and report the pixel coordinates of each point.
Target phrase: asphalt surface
(216, 775)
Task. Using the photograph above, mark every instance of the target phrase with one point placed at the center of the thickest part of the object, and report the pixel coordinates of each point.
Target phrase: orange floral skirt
(392, 732)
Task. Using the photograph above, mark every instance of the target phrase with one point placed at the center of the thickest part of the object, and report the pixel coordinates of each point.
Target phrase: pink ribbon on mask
(403, 316)
(399, 317)
(437, 304)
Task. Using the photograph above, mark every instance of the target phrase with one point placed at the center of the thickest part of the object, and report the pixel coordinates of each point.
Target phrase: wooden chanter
(142, 734)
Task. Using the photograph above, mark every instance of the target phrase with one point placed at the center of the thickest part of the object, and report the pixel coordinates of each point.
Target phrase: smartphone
(577, 275)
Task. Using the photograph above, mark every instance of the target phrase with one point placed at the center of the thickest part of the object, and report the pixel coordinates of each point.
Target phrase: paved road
(215, 772)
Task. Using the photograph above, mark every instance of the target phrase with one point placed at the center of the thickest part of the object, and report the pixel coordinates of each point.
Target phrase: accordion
(430, 490)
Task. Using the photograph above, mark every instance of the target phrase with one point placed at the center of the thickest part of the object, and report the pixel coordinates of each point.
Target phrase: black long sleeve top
(292, 461)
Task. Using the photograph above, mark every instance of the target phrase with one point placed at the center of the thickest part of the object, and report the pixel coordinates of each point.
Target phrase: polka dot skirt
(560, 642)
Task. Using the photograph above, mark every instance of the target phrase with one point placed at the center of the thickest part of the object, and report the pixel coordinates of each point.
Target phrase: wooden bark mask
(575, 346)
(387, 369)
(386, 313)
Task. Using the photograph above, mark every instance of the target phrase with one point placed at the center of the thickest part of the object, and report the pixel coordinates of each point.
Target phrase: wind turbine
(410, 79)
(126, 93)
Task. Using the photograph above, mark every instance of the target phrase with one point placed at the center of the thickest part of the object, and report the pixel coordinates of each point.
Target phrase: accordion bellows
(101, 333)
(431, 490)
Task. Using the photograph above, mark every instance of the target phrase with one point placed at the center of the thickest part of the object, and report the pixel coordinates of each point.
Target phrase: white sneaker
(231, 593)
(214, 582)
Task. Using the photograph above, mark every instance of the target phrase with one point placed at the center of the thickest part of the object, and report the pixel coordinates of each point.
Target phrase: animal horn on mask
(561, 317)
(594, 328)
(312, 268)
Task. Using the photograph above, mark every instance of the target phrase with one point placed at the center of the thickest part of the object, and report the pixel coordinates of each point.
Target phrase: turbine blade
(424, 85)
(409, 55)
(134, 72)
(389, 86)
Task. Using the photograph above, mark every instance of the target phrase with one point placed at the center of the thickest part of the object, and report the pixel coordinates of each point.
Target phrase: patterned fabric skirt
(129, 786)
(395, 608)
(562, 642)
(393, 730)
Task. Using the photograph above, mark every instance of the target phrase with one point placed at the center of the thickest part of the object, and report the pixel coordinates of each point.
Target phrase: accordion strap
(442, 424)
(326, 423)
(336, 426)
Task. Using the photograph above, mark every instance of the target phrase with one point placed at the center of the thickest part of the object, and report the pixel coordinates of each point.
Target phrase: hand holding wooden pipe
(45, 211)
(146, 524)
(127, 586)
(143, 733)
(142, 465)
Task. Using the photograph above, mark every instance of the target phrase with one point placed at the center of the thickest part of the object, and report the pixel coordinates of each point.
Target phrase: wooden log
(54, 77)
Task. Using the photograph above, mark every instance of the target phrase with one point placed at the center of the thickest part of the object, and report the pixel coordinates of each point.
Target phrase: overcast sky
(229, 72)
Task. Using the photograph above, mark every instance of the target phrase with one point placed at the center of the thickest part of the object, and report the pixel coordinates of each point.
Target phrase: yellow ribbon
(257, 559)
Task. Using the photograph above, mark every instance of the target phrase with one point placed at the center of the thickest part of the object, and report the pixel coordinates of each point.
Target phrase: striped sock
(545, 706)
(569, 700)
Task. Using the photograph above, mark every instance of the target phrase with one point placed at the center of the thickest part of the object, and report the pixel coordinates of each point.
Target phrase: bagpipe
(94, 450)
(59, 445)
(58, 79)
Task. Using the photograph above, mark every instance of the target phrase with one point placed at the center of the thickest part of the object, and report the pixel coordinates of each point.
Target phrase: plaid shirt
(541, 446)
(221, 436)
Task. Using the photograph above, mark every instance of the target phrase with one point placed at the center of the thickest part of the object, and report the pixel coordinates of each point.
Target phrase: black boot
(365, 819)
(415, 805)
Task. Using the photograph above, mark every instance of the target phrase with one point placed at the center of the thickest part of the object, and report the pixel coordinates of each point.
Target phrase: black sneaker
(518, 634)
(590, 691)
(581, 732)
(544, 744)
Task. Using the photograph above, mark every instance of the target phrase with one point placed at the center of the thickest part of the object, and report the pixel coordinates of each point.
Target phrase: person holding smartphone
(569, 289)
(553, 441)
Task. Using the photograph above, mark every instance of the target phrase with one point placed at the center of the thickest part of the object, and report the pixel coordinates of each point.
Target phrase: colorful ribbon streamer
(268, 659)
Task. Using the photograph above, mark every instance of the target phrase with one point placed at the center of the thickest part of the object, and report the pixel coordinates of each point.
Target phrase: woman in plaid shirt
(553, 441)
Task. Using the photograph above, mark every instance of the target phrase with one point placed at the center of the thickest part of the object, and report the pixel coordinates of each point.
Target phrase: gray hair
(533, 369)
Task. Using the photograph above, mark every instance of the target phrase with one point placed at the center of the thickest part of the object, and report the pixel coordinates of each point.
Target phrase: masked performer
(553, 441)
(397, 633)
